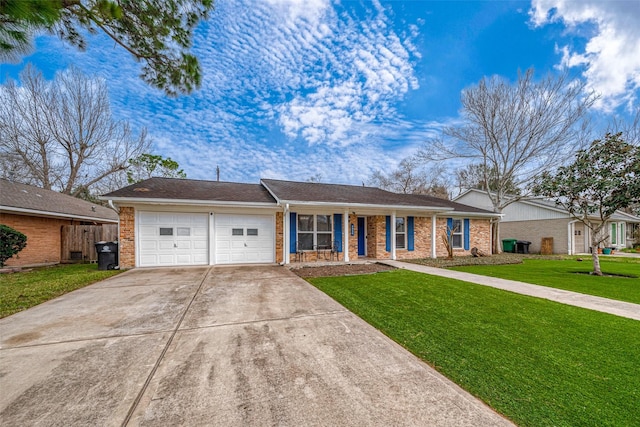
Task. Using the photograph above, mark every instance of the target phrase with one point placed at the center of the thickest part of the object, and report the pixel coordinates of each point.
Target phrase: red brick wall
(127, 243)
(43, 239)
(353, 240)
(480, 237)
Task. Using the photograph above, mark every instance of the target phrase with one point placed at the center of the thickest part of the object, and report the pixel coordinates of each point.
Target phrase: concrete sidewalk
(605, 305)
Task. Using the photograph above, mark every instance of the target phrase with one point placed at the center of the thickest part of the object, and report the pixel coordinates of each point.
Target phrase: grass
(572, 275)
(20, 291)
(537, 362)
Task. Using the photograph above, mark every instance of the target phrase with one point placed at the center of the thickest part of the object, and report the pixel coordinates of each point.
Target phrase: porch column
(434, 252)
(570, 237)
(286, 226)
(393, 235)
(345, 236)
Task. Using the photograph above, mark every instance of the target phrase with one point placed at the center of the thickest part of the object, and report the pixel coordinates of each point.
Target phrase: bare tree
(629, 129)
(411, 177)
(60, 134)
(515, 132)
(477, 176)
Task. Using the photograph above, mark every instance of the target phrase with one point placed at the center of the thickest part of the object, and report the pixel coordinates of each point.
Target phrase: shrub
(11, 242)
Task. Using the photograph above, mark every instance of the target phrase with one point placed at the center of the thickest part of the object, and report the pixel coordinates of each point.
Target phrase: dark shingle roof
(289, 191)
(190, 189)
(335, 193)
(457, 207)
(21, 196)
(353, 194)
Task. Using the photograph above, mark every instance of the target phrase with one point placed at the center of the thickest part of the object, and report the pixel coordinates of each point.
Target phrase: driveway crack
(138, 398)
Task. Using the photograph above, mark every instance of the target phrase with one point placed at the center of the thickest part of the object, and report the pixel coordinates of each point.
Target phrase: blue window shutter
(337, 227)
(293, 232)
(449, 226)
(388, 232)
(466, 234)
(410, 233)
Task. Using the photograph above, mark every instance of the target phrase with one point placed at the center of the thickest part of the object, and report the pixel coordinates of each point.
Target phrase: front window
(314, 231)
(456, 234)
(401, 234)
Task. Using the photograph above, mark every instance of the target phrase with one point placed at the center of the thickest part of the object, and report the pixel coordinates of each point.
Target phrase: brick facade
(127, 243)
(480, 237)
(43, 239)
(353, 240)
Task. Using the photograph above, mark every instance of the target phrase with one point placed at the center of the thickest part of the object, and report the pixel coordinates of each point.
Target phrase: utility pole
(217, 173)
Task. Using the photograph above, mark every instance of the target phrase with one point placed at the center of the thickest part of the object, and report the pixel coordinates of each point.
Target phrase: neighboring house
(40, 215)
(167, 221)
(535, 219)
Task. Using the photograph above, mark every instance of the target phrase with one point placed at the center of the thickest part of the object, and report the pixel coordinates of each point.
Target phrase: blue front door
(362, 250)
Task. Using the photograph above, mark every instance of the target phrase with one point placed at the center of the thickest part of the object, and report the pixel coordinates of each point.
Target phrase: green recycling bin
(509, 245)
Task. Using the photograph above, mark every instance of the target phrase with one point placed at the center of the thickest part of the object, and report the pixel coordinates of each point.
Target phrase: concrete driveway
(215, 346)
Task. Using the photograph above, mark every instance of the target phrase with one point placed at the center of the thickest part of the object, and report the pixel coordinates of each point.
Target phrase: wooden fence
(78, 241)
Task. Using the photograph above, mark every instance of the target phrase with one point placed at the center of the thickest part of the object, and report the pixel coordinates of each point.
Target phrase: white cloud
(291, 89)
(611, 56)
(324, 72)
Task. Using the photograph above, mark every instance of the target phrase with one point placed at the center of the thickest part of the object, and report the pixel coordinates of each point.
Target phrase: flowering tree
(602, 179)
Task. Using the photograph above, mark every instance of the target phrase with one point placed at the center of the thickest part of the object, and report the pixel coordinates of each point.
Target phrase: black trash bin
(522, 246)
(107, 255)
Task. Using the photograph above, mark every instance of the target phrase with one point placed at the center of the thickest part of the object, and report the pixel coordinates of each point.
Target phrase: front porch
(313, 236)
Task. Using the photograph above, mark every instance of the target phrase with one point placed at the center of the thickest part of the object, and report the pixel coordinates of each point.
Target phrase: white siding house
(535, 219)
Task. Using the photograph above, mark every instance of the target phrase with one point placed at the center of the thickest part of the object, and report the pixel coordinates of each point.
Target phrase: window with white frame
(314, 231)
(401, 233)
(457, 234)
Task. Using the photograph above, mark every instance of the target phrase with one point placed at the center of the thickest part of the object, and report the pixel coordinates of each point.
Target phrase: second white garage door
(244, 239)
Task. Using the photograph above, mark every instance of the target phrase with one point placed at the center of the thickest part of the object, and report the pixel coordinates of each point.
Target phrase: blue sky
(295, 89)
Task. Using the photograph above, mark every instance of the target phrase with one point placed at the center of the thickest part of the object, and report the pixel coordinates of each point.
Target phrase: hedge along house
(188, 222)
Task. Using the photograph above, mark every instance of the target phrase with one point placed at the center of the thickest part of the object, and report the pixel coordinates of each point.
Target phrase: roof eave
(476, 214)
(48, 214)
(183, 202)
(366, 206)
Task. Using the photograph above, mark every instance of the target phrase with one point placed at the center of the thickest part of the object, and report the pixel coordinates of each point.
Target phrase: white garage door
(244, 239)
(173, 239)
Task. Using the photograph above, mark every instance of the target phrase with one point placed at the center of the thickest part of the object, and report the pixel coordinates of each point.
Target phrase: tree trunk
(495, 237)
(596, 262)
(594, 254)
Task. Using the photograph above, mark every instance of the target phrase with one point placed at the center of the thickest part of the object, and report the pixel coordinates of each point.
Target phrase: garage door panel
(200, 245)
(165, 245)
(166, 259)
(183, 244)
(148, 217)
(150, 245)
(200, 231)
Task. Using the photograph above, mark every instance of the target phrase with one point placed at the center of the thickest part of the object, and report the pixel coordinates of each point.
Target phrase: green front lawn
(537, 362)
(19, 291)
(572, 275)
